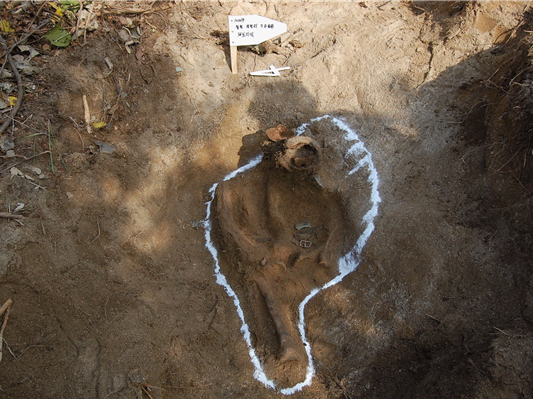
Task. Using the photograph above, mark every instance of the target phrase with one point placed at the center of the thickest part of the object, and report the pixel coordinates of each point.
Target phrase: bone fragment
(289, 349)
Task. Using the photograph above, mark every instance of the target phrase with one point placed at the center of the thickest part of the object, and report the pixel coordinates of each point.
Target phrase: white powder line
(347, 264)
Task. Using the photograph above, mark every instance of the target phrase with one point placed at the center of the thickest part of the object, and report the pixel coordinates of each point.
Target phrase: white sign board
(248, 30)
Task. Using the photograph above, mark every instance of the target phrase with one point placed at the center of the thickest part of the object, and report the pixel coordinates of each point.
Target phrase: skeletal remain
(289, 349)
(257, 218)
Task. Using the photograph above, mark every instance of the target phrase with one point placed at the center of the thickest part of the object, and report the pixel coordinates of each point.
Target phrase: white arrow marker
(273, 71)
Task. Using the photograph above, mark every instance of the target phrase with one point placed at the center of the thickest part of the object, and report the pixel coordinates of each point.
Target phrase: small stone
(6, 143)
(35, 170)
(105, 148)
(302, 225)
(124, 35)
(15, 172)
(10, 153)
(6, 74)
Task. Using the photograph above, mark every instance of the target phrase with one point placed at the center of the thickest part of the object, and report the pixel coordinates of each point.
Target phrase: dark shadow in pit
(251, 147)
(448, 350)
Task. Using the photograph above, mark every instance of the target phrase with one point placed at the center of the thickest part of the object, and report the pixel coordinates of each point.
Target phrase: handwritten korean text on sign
(248, 30)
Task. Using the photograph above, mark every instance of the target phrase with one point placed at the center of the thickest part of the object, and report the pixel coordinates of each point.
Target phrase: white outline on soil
(347, 264)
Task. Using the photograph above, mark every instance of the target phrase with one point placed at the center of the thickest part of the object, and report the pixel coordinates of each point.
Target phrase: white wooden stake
(233, 55)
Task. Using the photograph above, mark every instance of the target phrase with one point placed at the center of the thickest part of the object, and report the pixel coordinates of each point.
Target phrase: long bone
(289, 349)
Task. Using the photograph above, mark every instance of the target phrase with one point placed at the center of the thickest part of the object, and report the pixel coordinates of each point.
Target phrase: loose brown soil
(113, 288)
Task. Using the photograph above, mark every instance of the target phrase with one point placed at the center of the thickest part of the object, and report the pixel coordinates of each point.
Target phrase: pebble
(302, 225)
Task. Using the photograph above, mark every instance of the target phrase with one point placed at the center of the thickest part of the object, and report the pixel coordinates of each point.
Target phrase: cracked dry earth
(114, 290)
